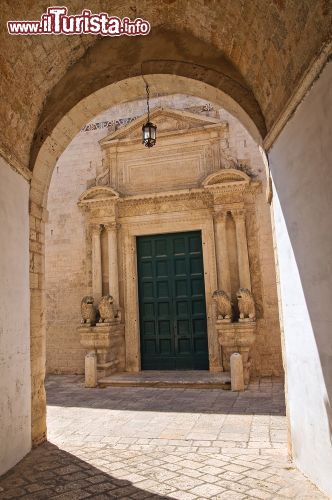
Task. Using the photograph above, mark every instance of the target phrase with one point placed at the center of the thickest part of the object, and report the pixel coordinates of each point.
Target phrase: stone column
(242, 248)
(91, 369)
(224, 279)
(113, 271)
(97, 283)
(237, 380)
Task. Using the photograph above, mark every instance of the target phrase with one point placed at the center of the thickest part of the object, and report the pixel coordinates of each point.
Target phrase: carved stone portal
(201, 188)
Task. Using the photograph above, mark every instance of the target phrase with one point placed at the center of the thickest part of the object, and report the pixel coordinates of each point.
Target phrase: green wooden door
(172, 302)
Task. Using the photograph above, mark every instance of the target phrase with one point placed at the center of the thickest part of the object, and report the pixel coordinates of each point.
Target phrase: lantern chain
(148, 100)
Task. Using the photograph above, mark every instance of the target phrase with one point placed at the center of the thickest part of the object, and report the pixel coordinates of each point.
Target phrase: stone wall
(68, 258)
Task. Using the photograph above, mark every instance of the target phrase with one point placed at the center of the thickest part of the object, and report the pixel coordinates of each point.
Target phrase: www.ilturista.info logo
(56, 21)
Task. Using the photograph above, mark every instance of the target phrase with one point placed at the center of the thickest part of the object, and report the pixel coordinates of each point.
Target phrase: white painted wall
(301, 164)
(15, 385)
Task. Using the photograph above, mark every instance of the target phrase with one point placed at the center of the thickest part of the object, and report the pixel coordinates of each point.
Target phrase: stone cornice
(226, 176)
(181, 194)
(207, 193)
(202, 123)
(206, 133)
(98, 196)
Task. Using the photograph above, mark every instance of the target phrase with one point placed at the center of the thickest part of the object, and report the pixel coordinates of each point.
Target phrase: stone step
(195, 379)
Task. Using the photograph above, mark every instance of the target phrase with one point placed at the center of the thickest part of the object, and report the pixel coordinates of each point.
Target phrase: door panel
(172, 302)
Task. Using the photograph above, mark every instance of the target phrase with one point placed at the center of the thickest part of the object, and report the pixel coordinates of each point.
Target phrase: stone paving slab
(137, 443)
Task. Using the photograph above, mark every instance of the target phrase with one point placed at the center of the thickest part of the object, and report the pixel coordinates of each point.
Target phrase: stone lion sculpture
(246, 304)
(106, 309)
(88, 310)
(224, 304)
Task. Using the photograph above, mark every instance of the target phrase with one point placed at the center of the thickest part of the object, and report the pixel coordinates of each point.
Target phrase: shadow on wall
(48, 471)
(301, 166)
(329, 415)
(69, 390)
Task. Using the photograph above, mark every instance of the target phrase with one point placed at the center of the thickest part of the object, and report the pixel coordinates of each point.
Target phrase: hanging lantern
(149, 130)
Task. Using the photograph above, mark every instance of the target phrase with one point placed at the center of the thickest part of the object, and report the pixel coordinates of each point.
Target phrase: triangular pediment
(167, 120)
(98, 193)
(226, 176)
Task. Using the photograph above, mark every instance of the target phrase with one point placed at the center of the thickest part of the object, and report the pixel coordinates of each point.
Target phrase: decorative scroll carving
(163, 203)
(103, 179)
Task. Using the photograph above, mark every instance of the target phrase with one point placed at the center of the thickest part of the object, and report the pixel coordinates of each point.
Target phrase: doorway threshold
(190, 379)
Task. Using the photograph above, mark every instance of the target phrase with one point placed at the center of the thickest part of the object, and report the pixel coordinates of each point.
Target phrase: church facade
(161, 232)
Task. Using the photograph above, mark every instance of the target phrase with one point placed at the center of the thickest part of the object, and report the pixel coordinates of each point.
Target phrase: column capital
(220, 216)
(239, 215)
(95, 228)
(112, 226)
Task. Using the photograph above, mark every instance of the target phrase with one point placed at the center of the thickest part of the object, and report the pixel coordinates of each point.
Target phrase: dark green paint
(172, 302)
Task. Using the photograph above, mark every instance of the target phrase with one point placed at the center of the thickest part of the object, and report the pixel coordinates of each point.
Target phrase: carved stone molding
(220, 216)
(95, 228)
(239, 215)
(112, 226)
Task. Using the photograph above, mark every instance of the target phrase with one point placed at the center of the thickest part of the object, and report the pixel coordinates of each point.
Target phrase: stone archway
(217, 45)
(66, 128)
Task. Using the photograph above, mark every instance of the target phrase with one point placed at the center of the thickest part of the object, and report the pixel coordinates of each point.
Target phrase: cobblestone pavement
(137, 443)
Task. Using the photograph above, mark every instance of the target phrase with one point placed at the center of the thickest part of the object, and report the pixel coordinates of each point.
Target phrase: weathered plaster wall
(301, 167)
(68, 258)
(15, 385)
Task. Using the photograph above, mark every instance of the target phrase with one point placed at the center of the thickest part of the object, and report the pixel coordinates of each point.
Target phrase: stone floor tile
(232, 486)
(207, 490)
(229, 495)
(259, 494)
(208, 478)
(182, 495)
(184, 482)
(116, 443)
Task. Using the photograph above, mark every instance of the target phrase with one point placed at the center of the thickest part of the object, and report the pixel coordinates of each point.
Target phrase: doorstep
(191, 379)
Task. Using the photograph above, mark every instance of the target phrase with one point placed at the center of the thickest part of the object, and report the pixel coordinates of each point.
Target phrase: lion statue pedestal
(105, 337)
(237, 337)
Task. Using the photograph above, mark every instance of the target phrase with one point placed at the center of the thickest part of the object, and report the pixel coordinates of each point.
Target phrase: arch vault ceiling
(257, 51)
